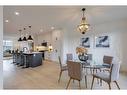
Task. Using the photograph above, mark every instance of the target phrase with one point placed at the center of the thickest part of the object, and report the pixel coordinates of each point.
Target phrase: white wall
(56, 43)
(1, 47)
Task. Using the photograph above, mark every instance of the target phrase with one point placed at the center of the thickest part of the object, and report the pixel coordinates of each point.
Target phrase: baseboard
(50, 60)
(124, 72)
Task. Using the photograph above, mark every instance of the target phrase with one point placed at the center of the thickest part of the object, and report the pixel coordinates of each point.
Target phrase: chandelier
(83, 27)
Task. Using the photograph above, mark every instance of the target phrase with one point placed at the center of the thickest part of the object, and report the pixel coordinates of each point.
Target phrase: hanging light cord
(20, 32)
(83, 9)
(30, 30)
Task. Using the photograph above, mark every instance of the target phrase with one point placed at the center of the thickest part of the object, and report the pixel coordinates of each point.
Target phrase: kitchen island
(28, 59)
(33, 59)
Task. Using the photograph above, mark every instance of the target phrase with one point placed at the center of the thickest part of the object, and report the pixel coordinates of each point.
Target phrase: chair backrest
(107, 59)
(114, 74)
(74, 70)
(69, 56)
(60, 61)
(89, 56)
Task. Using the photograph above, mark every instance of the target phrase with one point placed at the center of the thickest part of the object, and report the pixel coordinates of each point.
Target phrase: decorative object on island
(83, 27)
(24, 39)
(102, 41)
(20, 39)
(30, 38)
(85, 42)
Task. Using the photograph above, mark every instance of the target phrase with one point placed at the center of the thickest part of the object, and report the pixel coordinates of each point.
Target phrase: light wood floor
(46, 77)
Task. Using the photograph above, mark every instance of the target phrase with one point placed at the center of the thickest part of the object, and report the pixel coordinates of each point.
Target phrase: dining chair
(69, 56)
(109, 77)
(75, 72)
(88, 63)
(107, 61)
(62, 68)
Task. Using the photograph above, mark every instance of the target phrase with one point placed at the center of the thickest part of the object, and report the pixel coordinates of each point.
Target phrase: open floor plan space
(65, 47)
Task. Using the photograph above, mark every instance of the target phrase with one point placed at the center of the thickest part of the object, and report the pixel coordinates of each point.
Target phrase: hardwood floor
(46, 77)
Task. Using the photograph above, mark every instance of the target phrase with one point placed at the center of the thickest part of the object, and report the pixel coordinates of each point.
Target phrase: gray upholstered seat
(111, 76)
(104, 75)
(69, 56)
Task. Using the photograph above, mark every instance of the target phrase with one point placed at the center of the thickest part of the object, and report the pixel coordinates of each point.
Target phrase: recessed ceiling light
(16, 13)
(52, 28)
(6, 20)
(41, 30)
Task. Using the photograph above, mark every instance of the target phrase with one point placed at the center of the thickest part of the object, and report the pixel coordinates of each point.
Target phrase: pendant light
(83, 27)
(30, 38)
(20, 39)
(24, 39)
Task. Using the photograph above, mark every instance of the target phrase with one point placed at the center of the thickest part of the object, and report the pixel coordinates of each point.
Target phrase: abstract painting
(102, 41)
(85, 42)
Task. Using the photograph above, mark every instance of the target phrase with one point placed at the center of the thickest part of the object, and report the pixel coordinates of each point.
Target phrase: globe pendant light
(24, 39)
(20, 39)
(30, 38)
(83, 27)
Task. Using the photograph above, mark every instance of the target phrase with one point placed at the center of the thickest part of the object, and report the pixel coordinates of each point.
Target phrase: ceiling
(45, 17)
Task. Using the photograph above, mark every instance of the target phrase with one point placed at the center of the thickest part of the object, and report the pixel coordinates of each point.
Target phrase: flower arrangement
(81, 50)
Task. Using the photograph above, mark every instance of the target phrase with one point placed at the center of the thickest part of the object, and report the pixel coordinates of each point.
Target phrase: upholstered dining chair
(111, 76)
(69, 56)
(75, 72)
(107, 61)
(62, 68)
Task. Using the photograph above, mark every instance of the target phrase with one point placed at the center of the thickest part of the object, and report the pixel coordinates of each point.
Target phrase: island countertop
(31, 52)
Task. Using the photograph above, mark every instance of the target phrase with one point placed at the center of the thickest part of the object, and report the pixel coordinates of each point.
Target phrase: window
(7, 45)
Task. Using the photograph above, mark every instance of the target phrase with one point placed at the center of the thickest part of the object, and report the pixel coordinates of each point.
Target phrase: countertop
(31, 52)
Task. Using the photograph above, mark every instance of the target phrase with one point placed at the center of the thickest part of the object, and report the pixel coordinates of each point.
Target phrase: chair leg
(86, 80)
(90, 70)
(79, 85)
(73, 80)
(60, 76)
(92, 82)
(117, 84)
(100, 82)
(68, 83)
(109, 86)
(97, 80)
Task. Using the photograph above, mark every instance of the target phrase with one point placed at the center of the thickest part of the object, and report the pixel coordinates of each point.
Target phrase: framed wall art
(102, 41)
(85, 42)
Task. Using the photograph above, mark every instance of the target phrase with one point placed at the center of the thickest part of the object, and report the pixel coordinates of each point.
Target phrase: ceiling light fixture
(24, 39)
(6, 20)
(30, 38)
(16, 13)
(52, 28)
(41, 30)
(83, 27)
